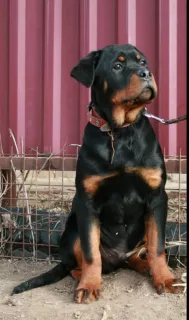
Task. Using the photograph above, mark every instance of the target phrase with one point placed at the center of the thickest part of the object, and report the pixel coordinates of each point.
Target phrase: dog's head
(121, 82)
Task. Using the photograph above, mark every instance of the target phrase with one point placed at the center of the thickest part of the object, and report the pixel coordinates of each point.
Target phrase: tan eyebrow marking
(138, 56)
(121, 58)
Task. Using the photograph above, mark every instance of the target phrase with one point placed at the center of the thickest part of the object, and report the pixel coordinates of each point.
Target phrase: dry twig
(24, 189)
(5, 188)
(105, 316)
(184, 284)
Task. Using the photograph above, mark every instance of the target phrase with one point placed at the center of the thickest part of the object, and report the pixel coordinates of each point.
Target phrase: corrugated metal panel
(41, 40)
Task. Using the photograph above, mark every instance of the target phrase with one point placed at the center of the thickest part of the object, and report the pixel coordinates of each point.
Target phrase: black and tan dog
(120, 197)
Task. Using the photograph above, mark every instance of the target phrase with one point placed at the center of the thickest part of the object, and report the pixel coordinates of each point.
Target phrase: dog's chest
(120, 151)
(126, 150)
(122, 209)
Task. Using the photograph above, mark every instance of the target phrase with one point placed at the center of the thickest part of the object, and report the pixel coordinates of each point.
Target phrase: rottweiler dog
(120, 199)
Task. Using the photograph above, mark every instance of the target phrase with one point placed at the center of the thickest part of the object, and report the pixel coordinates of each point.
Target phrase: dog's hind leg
(135, 262)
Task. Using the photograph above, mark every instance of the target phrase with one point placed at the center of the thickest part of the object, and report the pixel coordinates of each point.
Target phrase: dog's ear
(84, 71)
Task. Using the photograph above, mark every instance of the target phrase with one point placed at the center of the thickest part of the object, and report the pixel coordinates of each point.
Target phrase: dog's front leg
(89, 261)
(163, 278)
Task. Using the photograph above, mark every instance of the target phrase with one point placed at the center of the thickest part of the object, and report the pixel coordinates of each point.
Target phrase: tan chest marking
(91, 183)
(151, 176)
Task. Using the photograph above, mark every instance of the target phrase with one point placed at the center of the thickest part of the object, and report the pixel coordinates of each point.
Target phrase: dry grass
(173, 208)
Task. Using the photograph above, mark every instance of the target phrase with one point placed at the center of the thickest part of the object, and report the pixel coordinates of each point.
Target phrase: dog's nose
(144, 74)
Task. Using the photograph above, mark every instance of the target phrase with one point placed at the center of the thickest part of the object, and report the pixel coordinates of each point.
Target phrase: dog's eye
(143, 62)
(117, 66)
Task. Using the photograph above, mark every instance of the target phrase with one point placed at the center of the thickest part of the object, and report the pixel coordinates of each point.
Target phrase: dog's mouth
(127, 108)
(145, 96)
(128, 101)
(138, 92)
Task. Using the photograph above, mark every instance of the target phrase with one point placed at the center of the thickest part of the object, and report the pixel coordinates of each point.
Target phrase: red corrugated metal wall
(40, 42)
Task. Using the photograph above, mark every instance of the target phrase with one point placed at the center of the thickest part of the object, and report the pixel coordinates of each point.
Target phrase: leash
(148, 115)
(112, 144)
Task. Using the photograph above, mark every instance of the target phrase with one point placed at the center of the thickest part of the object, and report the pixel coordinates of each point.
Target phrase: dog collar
(96, 120)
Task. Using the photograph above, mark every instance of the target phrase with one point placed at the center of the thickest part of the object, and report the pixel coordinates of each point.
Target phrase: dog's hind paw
(169, 286)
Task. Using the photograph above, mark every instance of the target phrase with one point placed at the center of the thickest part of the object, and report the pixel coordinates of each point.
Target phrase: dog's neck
(98, 121)
(116, 116)
(98, 117)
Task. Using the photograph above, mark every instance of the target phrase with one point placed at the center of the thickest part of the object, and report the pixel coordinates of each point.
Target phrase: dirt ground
(126, 295)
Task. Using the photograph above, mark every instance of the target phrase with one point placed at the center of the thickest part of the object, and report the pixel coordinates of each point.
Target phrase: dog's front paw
(87, 293)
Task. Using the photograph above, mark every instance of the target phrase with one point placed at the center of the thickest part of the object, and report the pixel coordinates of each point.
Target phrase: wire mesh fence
(36, 193)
